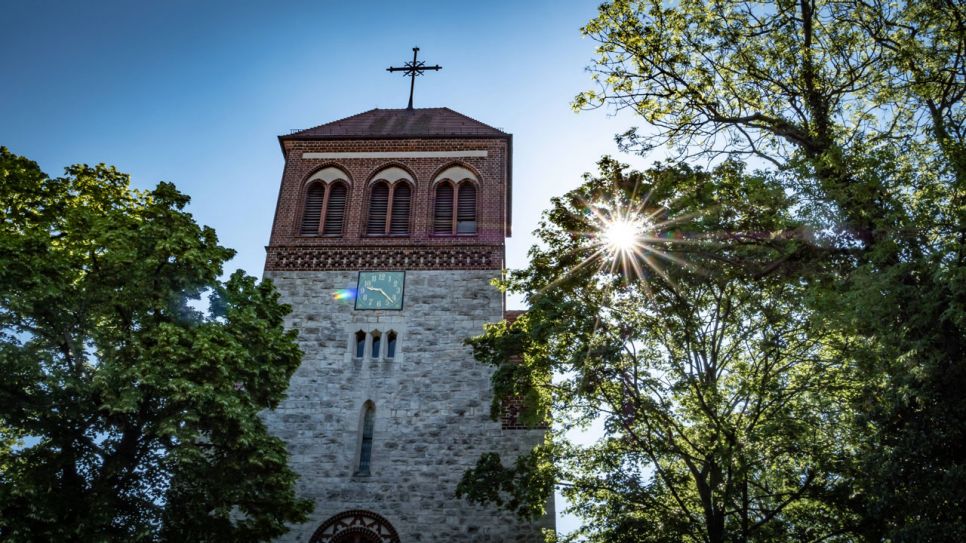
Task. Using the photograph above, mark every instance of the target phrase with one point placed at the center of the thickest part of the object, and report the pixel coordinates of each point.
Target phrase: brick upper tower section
(419, 147)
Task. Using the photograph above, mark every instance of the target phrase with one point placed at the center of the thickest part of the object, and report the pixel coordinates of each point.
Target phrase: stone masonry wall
(431, 407)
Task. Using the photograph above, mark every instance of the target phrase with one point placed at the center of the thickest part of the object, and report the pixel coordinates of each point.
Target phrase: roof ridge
(416, 122)
(471, 118)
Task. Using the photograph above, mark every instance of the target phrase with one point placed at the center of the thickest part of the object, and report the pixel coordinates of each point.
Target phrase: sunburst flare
(632, 241)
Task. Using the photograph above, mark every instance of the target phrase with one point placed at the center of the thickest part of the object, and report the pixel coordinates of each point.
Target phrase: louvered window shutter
(335, 210)
(466, 210)
(443, 216)
(399, 222)
(312, 213)
(378, 206)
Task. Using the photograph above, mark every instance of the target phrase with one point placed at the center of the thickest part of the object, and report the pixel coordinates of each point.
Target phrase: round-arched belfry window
(356, 526)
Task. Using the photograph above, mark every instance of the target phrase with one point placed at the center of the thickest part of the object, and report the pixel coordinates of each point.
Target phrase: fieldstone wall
(431, 401)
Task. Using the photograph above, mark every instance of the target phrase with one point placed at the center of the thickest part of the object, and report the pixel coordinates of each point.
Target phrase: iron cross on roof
(413, 69)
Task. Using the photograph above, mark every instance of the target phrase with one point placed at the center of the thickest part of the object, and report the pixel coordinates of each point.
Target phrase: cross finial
(413, 69)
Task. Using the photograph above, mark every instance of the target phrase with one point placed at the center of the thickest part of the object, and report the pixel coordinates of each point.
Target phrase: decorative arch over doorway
(356, 526)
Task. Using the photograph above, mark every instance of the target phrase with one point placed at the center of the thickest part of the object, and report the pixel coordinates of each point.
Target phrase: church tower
(389, 227)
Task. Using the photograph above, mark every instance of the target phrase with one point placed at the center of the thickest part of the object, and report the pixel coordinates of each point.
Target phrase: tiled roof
(395, 123)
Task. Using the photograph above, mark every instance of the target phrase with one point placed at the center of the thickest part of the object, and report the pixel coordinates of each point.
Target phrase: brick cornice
(368, 257)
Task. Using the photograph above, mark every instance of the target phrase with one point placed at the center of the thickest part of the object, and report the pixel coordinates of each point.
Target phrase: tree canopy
(859, 106)
(854, 111)
(720, 404)
(127, 412)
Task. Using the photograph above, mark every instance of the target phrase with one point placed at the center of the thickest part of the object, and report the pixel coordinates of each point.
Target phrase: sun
(629, 241)
(623, 235)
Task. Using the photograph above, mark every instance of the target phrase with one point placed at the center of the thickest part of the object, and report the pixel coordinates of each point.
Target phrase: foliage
(859, 106)
(125, 412)
(722, 408)
(769, 79)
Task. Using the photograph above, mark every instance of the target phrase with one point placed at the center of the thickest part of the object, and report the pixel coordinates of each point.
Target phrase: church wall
(492, 193)
(431, 402)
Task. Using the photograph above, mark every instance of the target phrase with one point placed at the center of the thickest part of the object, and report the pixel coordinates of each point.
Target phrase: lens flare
(344, 295)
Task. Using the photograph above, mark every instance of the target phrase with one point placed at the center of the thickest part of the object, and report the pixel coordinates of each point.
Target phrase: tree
(860, 107)
(722, 408)
(127, 413)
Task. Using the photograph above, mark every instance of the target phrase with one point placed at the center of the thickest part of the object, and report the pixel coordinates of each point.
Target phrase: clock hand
(388, 297)
(383, 292)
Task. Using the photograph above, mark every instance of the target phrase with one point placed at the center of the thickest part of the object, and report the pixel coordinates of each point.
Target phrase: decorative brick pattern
(463, 257)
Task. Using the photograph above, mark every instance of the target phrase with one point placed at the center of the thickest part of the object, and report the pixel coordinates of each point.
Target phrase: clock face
(380, 290)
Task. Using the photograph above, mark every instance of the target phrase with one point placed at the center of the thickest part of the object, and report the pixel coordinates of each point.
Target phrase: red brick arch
(356, 526)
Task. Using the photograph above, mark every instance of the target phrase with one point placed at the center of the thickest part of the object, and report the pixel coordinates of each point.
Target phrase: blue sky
(196, 92)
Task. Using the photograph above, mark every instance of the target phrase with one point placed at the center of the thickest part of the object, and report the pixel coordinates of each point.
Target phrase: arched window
(390, 202)
(376, 343)
(360, 346)
(323, 213)
(312, 213)
(365, 445)
(454, 207)
(462, 200)
(334, 210)
(391, 344)
(389, 207)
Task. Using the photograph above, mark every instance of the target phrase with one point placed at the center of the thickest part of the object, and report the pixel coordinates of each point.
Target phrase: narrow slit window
(376, 344)
(391, 344)
(360, 346)
(312, 213)
(365, 449)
